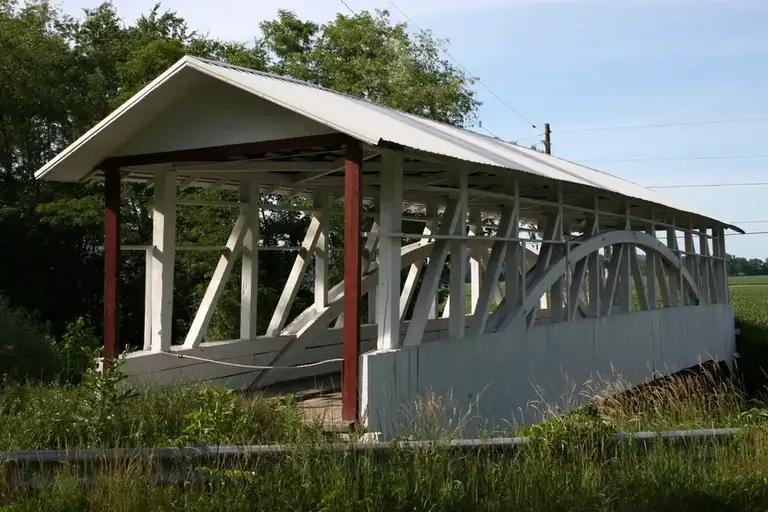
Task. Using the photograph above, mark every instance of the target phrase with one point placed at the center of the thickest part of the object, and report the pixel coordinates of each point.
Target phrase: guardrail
(179, 465)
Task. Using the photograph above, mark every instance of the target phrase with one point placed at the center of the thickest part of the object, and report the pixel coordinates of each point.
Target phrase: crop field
(748, 280)
(750, 302)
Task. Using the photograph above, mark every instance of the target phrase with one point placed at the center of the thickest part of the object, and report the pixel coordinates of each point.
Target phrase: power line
(666, 125)
(518, 114)
(480, 125)
(677, 158)
(715, 185)
(748, 234)
(348, 7)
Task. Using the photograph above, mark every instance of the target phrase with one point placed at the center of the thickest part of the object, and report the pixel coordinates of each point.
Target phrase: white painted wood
(611, 280)
(368, 259)
(675, 279)
(475, 270)
(411, 253)
(164, 256)
(293, 283)
(721, 265)
(238, 117)
(431, 279)
(458, 270)
(215, 288)
(690, 263)
(388, 303)
(617, 239)
(664, 280)
(321, 250)
(148, 262)
(509, 220)
(650, 270)
(557, 308)
(625, 272)
(704, 274)
(637, 277)
(249, 278)
(415, 270)
(504, 377)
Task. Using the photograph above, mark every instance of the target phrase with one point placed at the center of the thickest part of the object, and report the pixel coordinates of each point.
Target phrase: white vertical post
(556, 292)
(595, 270)
(625, 273)
(475, 265)
(164, 256)
(722, 265)
(250, 193)
(373, 295)
(458, 288)
(148, 259)
(650, 268)
(690, 263)
(390, 221)
(703, 268)
(433, 225)
(320, 201)
(675, 280)
(514, 266)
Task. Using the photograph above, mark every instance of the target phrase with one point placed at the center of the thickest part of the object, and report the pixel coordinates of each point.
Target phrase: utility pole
(547, 139)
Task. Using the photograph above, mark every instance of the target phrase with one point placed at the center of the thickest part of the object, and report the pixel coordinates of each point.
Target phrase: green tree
(59, 76)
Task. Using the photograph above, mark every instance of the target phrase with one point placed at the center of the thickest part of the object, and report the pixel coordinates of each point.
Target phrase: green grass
(569, 465)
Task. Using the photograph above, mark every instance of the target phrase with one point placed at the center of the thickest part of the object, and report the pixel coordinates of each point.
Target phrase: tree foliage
(59, 76)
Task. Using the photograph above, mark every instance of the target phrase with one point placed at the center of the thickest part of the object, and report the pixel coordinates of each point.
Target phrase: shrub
(27, 351)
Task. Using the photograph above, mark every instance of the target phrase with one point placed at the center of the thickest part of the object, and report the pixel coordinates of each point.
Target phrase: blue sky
(590, 64)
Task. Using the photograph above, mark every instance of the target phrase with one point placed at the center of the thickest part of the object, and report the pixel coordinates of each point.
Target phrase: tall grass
(569, 465)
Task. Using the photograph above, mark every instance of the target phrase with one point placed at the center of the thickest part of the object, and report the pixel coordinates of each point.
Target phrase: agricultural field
(748, 280)
(750, 302)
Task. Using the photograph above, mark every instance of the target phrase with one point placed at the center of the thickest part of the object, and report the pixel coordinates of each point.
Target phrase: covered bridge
(573, 272)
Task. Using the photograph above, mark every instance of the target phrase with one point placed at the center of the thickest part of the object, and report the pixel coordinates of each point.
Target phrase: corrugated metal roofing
(374, 124)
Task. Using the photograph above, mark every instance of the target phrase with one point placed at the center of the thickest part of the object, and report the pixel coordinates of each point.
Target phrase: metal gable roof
(374, 124)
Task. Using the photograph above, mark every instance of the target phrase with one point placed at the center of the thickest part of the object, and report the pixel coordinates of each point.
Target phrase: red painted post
(111, 260)
(352, 208)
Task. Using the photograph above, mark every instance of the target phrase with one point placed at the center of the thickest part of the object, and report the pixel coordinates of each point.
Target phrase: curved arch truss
(486, 262)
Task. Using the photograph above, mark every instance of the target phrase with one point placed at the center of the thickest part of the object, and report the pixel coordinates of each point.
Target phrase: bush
(27, 350)
(78, 351)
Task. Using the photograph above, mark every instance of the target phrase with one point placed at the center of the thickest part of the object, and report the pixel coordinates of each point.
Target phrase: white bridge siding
(161, 369)
(501, 379)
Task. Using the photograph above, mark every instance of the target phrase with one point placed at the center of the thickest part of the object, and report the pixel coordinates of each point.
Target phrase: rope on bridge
(253, 367)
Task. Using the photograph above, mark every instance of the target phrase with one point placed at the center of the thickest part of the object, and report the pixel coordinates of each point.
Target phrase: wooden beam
(350, 396)
(674, 277)
(164, 257)
(111, 261)
(458, 270)
(651, 262)
(409, 286)
(637, 277)
(149, 258)
(249, 278)
(321, 251)
(228, 152)
(609, 291)
(475, 268)
(431, 279)
(216, 286)
(388, 302)
(509, 220)
(295, 278)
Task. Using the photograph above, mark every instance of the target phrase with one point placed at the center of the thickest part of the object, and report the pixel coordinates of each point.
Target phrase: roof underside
(430, 148)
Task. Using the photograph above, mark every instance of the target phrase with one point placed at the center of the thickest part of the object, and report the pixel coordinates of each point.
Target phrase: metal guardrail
(179, 465)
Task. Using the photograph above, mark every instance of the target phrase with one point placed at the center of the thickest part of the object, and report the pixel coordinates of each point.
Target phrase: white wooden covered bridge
(600, 275)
